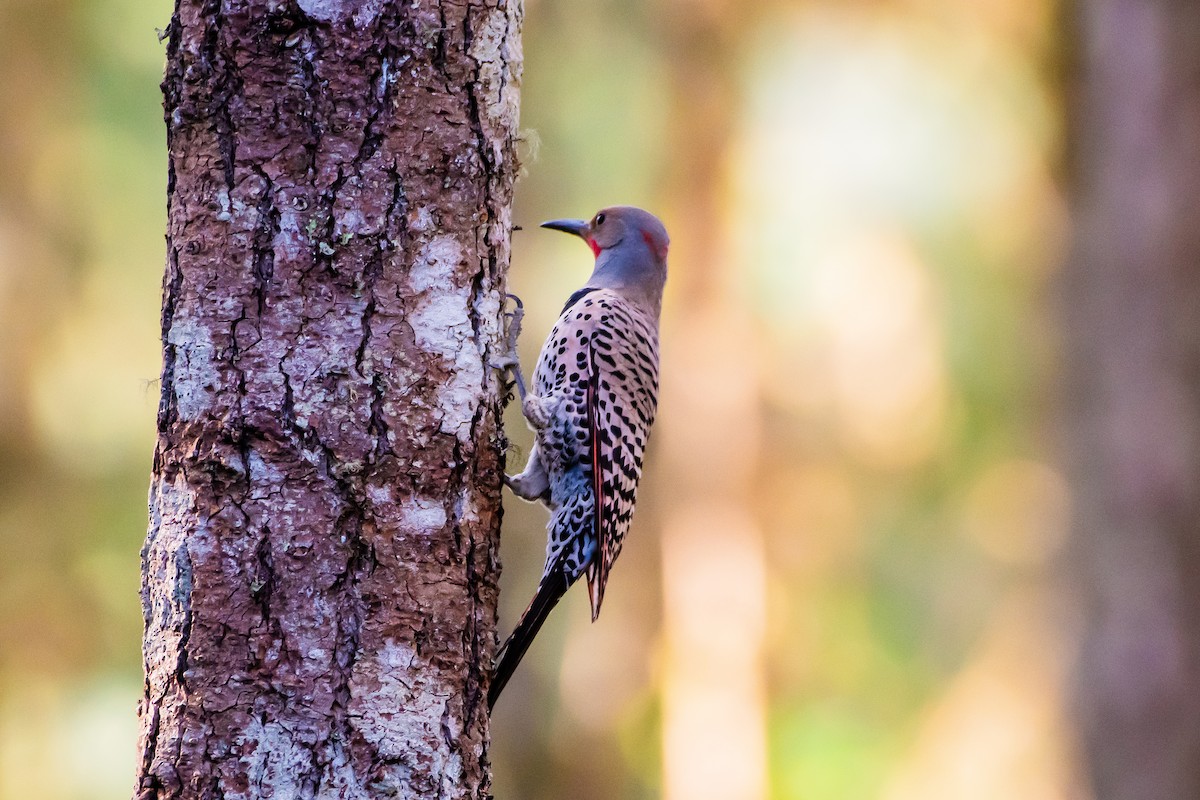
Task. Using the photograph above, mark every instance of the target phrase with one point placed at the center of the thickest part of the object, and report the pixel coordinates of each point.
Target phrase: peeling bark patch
(413, 692)
(363, 12)
(196, 375)
(441, 328)
(423, 516)
(495, 49)
(168, 612)
(437, 263)
(273, 757)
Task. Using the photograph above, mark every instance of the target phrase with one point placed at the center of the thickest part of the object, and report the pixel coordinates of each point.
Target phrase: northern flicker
(593, 400)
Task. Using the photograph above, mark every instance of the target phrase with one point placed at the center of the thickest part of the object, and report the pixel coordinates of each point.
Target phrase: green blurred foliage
(888, 222)
(82, 210)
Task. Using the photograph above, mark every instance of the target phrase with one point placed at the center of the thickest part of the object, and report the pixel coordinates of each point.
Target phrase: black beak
(575, 226)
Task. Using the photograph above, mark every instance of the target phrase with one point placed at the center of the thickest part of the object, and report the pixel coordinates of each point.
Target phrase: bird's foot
(515, 317)
(537, 411)
(509, 361)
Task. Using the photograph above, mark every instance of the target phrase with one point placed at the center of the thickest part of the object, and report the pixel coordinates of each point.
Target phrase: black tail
(553, 586)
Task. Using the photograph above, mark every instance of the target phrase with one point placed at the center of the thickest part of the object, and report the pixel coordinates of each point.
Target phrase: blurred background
(843, 579)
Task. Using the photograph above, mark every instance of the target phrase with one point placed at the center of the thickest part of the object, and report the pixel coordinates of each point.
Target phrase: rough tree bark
(1133, 325)
(319, 576)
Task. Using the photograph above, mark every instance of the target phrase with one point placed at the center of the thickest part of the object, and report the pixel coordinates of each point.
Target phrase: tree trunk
(319, 576)
(714, 606)
(1133, 325)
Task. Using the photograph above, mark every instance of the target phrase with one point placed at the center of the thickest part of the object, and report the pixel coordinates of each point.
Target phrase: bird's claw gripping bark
(509, 361)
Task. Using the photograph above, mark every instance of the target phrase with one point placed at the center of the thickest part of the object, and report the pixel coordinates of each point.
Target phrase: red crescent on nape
(656, 248)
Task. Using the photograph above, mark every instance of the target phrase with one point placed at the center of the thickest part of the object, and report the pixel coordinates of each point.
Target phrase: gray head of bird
(630, 246)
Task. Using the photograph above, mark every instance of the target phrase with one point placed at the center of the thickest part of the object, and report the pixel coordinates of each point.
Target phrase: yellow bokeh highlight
(873, 304)
(714, 615)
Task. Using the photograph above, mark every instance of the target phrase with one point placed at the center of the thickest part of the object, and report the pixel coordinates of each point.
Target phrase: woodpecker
(593, 400)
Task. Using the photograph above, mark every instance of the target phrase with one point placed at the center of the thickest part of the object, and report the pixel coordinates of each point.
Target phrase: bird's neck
(628, 280)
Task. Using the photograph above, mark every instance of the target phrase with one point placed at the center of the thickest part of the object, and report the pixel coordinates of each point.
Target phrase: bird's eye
(599, 219)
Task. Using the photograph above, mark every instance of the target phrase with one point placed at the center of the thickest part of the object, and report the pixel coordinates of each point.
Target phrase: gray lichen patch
(362, 12)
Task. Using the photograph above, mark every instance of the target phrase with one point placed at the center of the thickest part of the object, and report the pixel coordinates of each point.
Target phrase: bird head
(625, 227)
(630, 246)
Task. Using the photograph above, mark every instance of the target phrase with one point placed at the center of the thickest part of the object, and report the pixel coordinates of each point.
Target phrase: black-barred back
(600, 365)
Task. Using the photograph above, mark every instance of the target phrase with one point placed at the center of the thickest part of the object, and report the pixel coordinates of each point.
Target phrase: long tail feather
(553, 586)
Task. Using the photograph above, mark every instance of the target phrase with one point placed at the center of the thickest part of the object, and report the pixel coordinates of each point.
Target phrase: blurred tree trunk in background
(1133, 322)
(714, 572)
(319, 577)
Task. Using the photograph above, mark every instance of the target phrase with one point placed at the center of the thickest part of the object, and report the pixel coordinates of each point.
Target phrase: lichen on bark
(319, 574)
